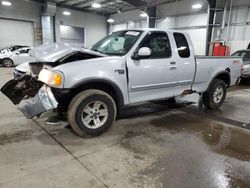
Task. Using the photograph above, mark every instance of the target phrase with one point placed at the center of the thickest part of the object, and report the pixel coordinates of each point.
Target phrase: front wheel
(215, 96)
(7, 62)
(91, 112)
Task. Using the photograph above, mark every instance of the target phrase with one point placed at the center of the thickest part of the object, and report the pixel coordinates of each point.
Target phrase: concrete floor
(150, 145)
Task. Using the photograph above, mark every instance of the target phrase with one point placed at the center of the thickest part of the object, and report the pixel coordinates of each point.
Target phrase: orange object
(219, 49)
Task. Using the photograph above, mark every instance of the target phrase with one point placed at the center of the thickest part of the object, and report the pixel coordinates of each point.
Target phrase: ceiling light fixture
(96, 5)
(6, 3)
(196, 6)
(66, 13)
(110, 20)
(144, 15)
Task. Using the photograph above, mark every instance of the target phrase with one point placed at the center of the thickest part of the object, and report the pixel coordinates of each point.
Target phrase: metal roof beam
(137, 3)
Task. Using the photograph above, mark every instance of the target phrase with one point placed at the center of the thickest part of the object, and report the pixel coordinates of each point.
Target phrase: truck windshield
(117, 43)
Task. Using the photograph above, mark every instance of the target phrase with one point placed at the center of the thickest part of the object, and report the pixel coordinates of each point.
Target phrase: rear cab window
(247, 56)
(182, 45)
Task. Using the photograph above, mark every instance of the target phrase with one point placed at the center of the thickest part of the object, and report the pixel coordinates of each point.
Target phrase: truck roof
(152, 29)
(243, 50)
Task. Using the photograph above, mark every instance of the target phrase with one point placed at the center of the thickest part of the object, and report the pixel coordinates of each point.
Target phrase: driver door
(152, 77)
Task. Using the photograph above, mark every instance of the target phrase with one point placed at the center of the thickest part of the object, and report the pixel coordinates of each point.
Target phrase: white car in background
(245, 55)
(16, 57)
(10, 49)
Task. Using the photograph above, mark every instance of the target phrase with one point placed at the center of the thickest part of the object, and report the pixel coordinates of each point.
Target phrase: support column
(211, 14)
(151, 11)
(48, 19)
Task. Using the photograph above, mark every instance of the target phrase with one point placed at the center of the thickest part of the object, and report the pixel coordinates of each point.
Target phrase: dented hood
(56, 51)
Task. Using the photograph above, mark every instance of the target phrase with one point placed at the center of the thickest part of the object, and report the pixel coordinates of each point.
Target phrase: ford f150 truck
(125, 67)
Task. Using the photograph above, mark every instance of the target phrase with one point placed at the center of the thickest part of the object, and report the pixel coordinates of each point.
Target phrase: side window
(247, 56)
(23, 51)
(159, 44)
(182, 45)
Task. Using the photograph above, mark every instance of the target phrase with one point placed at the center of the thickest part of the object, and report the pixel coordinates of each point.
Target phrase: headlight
(51, 78)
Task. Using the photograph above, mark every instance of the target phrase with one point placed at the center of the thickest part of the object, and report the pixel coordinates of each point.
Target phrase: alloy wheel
(95, 114)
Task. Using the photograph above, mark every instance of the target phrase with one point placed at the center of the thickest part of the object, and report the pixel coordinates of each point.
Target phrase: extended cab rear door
(185, 62)
(153, 77)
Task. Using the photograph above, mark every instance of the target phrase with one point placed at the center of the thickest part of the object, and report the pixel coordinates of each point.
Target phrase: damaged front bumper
(42, 102)
(32, 96)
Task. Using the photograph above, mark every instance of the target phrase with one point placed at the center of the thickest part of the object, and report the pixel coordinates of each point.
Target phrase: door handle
(172, 63)
(173, 67)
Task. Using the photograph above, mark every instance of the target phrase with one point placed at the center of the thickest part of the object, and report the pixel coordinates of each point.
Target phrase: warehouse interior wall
(194, 25)
(95, 25)
(193, 22)
(25, 11)
(239, 28)
(9, 34)
(73, 36)
(168, 17)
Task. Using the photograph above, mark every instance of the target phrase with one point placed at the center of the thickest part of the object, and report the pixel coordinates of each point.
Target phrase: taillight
(235, 62)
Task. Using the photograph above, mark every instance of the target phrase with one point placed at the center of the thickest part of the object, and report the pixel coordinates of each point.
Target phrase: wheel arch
(107, 86)
(224, 76)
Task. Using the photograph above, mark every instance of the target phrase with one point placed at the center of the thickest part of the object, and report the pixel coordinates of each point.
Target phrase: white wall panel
(129, 25)
(25, 11)
(166, 23)
(133, 15)
(187, 23)
(94, 25)
(198, 37)
(179, 7)
(239, 29)
(239, 15)
(118, 27)
(238, 45)
(191, 20)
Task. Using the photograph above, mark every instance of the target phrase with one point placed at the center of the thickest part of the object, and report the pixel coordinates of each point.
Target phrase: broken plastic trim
(39, 104)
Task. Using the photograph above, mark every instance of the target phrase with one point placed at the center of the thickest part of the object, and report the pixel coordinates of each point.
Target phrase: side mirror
(144, 52)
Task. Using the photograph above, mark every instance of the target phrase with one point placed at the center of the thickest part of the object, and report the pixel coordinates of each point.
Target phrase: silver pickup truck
(124, 68)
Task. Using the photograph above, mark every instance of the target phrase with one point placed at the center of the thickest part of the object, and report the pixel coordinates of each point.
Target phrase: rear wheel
(215, 96)
(91, 112)
(7, 62)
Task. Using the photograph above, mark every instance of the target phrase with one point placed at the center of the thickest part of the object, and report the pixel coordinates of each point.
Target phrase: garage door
(16, 33)
(72, 35)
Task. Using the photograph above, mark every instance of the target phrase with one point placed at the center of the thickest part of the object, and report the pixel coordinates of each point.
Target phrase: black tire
(210, 100)
(82, 101)
(7, 62)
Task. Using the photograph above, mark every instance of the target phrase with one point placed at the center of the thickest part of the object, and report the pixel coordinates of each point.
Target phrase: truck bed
(209, 66)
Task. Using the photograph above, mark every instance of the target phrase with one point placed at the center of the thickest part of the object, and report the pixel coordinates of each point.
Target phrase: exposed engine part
(23, 88)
